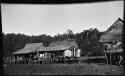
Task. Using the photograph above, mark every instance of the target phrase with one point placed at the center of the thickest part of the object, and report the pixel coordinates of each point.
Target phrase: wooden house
(112, 41)
(28, 51)
(65, 48)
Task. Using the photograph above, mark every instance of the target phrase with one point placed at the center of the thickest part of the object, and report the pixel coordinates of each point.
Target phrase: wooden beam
(110, 58)
(106, 58)
(121, 58)
(38, 54)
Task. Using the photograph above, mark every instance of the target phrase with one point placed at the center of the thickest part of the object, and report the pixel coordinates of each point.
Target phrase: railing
(51, 60)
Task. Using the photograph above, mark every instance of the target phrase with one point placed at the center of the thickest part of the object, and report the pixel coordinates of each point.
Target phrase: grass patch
(62, 69)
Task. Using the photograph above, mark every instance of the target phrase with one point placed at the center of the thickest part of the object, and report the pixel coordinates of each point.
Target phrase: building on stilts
(58, 49)
(111, 40)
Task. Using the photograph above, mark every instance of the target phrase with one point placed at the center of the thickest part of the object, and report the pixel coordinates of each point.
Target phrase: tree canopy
(88, 41)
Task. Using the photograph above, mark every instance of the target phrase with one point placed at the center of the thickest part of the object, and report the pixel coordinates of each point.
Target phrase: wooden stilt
(30, 59)
(38, 54)
(74, 52)
(110, 58)
(121, 58)
(106, 58)
(114, 57)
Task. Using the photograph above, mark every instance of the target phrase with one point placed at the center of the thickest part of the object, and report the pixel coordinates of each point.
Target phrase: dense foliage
(88, 41)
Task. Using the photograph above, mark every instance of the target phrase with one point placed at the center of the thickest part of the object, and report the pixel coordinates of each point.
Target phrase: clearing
(62, 69)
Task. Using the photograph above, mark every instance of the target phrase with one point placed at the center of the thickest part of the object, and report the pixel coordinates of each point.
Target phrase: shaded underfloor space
(63, 69)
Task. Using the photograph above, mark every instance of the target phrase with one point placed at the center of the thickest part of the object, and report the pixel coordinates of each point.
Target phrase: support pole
(74, 52)
(121, 58)
(110, 58)
(106, 58)
(38, 54)
(114, 57)
(30, 58)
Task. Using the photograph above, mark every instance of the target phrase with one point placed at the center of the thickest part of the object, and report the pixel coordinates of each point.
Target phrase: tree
(13, 42)
(88, 40)
(69, 33)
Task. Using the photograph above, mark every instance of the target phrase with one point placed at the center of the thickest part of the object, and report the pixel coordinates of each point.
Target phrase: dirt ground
(62, 69)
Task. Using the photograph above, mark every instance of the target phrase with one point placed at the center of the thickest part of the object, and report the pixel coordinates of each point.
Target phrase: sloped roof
(114, 32)
(110, 37)
(32, 47)
(55, 48)
(68, 42)
(59, 45)
(116, 27)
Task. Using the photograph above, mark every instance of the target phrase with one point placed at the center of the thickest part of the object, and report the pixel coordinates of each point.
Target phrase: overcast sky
(37, 19)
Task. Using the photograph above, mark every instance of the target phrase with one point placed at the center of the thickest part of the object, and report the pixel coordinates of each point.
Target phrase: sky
(37, 19)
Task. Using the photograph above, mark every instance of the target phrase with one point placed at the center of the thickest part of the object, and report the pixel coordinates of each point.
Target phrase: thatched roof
(59, 45)
(32, 47)
(68, 42)
(114, 32)
(115, 49)
(54, 46)
(110, 37)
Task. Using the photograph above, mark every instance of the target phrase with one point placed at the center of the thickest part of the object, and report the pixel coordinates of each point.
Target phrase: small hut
(112, 41)
(29, 51)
